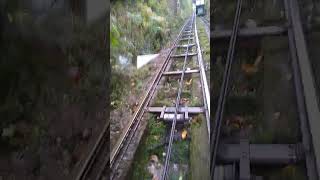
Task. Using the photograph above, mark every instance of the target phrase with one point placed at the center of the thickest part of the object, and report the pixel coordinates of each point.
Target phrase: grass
(143, 26)
(199, 149)
(126, 83)
(162, 96)
(149, 145)
(205, 46)
(180, 152)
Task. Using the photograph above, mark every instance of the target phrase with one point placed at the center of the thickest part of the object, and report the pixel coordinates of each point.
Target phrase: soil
(120, 117)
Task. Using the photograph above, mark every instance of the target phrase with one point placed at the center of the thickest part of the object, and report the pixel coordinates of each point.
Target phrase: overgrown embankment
(138, 27)
(143, 26)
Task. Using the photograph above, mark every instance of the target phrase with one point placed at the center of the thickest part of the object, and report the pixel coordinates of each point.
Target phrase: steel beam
(249, 32)
(262, 153)
(244, 164)
(173, 73)
(187, 34)
(186, 39)
(190, 110)
(183, 55)
(185, 45)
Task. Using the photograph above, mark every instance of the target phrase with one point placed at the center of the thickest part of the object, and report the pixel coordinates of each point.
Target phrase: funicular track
(207, 25)
(99, 165)
(239, 160)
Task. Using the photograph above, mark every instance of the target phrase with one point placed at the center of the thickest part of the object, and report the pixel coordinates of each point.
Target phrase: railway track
(99, 160)
(239, 156)
(207, 25)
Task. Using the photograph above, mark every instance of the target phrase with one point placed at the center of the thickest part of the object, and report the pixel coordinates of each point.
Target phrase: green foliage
(144, 27)
(119, 84)
(186, 7)
(199, 149)
(180, 152)
(149, 146)
(114, 36)
(156, 128)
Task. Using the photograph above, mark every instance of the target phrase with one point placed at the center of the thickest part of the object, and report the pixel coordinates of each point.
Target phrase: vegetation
(180, 152)
(123, 84)
(143, 26)
(151, 144)
(199, 149)
(139, 27)
(205, 46)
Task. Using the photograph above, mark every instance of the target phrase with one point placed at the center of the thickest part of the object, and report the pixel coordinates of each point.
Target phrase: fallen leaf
(184, 134)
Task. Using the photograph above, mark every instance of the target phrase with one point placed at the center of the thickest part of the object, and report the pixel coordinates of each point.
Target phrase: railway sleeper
(181, 118)
(188, 71)
(191, 110)
(239, 167)
(169, 117)
(186, 35)
(250, 32)
(264, 154)
(183, 55)
(185, 45)
(183, 115)
(186, 39)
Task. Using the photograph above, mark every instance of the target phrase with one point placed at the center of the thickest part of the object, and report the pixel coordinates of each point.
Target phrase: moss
(199, 149)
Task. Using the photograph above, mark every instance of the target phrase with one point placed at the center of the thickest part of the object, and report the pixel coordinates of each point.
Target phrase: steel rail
(304, 125)
(85, 169)
(203, 79)
(134, 123)
(207, 24)
(224, 89)
(177, 103)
